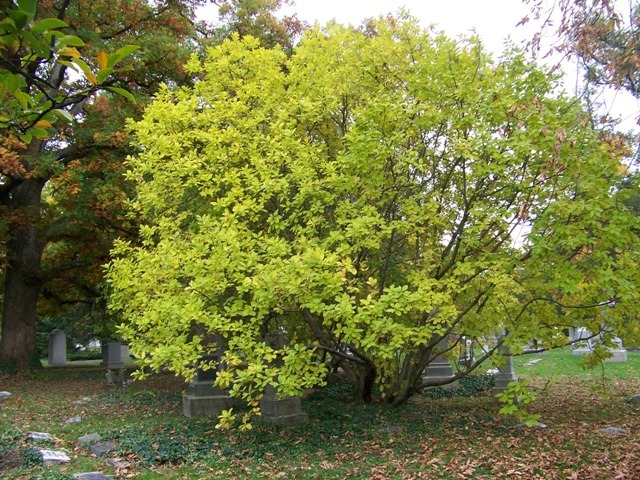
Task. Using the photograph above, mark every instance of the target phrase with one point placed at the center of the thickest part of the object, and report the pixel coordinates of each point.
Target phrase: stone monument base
(286, 412)
(204, 399)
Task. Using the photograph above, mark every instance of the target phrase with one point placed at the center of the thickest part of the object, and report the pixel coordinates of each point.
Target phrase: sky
(493, 20)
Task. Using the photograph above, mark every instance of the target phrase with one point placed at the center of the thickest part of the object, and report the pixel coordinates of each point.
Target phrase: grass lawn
(446, 438)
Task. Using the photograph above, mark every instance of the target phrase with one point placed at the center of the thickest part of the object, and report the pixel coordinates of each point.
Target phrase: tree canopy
(381, 190)
(62, 192)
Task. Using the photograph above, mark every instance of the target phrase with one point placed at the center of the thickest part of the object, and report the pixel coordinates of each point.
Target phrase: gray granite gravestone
(506, 374)
(4, 395)
(92, 476)
(283, 411)
(41, 436)
(586, 343)
(57, 348)
(439, 368)
(51, 457)
(89, 439)
(203, 397)
(102, 449)
(112, 356)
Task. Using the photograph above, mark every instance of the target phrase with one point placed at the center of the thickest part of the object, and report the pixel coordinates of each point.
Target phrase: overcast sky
(492, 20)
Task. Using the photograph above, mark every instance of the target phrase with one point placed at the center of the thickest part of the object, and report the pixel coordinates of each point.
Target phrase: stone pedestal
(202, 397)
(286, 412)
(112, 356)
(439, 369)
(506, 374)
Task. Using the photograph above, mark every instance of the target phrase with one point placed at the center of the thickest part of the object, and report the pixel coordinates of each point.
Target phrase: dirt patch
(9, 459)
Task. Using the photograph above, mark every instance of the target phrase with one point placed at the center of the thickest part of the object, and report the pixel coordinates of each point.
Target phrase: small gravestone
(4, 396)
(74, 420)
(89, 439)
(118, 463)
(82, 401)
(532, 362)
(40, 436)
(612, 431)
(51, 457)
(57, 348)
(102, 449)
(286, 411)
(92, 476)
(635, 399)
(538, 425)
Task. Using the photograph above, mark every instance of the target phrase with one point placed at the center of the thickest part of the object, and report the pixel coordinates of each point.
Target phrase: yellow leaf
(103, 58)
(69, 52)
(92, 78)
(43, 123)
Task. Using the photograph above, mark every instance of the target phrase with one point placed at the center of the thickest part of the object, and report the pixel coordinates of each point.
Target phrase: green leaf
(47, 24)
(20, 18)
(70, 41)
(103, 73)
(120, 54)
(39, 132)
(63, 114)
(121, 91)
(28, 6)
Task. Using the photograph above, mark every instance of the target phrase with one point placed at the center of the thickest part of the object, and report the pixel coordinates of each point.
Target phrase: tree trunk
(366, 383)
(22, 283)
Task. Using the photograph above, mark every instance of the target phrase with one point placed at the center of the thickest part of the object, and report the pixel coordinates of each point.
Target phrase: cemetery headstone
(92, 476)
(612, 431)
(203, 397)
(285, 411)
(102, 449)
(74, 420)
(89, 439)
(439, 368)
(4, 396)
(115, 463)
(57, 348)
(51, 457)
(112, 360)
(506, 373)
(635, 399)
(533, 362)
(40, 436)
(585, 347)
(125, 355)
(112, 356)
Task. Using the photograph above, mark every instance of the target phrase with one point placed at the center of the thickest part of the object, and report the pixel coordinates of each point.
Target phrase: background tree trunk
(22, 282)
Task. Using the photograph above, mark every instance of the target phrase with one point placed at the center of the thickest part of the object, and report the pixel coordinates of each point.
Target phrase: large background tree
(62, 190)
(377, 193)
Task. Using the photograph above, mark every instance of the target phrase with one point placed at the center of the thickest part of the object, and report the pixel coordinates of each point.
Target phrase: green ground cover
(433, 436)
